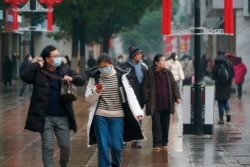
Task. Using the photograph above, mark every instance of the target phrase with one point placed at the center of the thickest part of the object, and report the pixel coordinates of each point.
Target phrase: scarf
(137, 68)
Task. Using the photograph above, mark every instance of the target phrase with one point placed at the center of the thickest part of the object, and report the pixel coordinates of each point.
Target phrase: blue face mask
(57, 62)
(105, 70)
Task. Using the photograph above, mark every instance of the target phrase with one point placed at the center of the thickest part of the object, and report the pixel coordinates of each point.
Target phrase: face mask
(120, 60)
(105, 70)
(30, 58)
(57, 62)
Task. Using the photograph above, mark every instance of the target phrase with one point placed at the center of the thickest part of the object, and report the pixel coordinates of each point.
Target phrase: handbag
(68, 89)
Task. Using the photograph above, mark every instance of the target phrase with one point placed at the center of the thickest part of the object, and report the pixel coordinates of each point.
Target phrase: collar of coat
(40, 59)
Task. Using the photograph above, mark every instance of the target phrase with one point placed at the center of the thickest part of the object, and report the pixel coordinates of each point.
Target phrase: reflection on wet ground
(228, 146)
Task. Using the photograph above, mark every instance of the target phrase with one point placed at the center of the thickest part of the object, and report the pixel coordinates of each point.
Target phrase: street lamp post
(198, 124)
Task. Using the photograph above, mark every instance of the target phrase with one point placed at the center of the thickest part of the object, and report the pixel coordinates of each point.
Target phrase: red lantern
(50, 4)
(14, 4)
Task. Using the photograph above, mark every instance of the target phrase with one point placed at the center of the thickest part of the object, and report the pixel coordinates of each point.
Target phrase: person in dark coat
(48, 114)
(222, 90)
(91, 61)
(136, 77)
(27, 60)
(7, 71)
(160, 93)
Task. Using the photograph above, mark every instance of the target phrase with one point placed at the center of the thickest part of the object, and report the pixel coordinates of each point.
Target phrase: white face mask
(30, 58)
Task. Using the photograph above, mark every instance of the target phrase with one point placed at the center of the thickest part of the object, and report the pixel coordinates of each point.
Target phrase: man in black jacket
(136, 77)
(48, 113)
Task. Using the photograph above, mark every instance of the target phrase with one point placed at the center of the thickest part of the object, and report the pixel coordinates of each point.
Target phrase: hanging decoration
(15, 4)
(50, 4)
(228, 17)
(166, 17)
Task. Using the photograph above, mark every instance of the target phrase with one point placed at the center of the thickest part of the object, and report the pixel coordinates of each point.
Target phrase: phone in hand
(98, 85)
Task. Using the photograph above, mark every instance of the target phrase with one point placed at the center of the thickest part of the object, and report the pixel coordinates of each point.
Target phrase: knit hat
(133, 50)
(221, 52)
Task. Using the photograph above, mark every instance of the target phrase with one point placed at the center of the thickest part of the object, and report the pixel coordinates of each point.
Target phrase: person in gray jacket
(160, 93)
(48, 114)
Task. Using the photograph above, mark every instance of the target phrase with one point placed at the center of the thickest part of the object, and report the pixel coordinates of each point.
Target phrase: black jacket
(40, 96)
(138, 88)
(222, 91)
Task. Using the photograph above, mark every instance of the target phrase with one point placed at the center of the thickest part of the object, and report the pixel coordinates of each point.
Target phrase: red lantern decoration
(15, 4)
(228, 17)
(166, 17)
(50, 4)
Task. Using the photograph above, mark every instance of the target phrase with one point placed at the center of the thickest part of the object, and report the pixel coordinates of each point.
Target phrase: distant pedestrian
(112, 120)
(204, 66)
(161, 92)
(68, 61)
(7, 72)
(174, 65)
(48, 114)
(222, 86)
(136, 77)
(119, 61)
(188, 68)
(240, 70)
(27, 60)
(91, 62)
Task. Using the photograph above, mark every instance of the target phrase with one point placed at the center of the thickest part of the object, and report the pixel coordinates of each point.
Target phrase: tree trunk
(82, 34)
(75, 39)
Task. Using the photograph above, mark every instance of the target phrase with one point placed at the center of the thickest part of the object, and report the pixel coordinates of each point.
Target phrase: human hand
(139, 117)
(67, 78)
(41, 64)
(99, 88)
(179, 101)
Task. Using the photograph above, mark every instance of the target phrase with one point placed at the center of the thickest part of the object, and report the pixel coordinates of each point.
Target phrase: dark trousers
(187, 81)
(239, 89)
(160, 128)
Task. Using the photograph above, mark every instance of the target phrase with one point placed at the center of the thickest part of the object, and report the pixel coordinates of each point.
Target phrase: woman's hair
(157, 58)
(104, 57)
(172, 55)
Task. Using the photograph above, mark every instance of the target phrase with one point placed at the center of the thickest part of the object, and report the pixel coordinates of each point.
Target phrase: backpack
(225, 72)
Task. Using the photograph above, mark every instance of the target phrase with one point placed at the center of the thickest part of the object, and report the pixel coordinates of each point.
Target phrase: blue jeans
(223, 105)
(109, 135)
(60, 126)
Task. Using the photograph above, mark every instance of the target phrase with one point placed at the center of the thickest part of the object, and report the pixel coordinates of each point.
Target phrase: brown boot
(221, 121)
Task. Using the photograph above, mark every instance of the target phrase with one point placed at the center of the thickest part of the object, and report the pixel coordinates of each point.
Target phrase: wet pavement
(228, 146)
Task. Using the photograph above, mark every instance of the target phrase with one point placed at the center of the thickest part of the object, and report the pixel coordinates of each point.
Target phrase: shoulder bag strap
(51, 75)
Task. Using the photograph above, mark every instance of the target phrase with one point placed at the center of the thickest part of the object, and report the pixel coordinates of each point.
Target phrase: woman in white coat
(174, 65)
(113, 118)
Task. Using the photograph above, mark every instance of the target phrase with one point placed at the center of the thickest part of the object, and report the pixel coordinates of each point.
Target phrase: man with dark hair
(48, 113)
(222, 89)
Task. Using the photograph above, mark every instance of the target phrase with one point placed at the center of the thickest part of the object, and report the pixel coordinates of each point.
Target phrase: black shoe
(221, 121)
(136, 144)
(228, 118)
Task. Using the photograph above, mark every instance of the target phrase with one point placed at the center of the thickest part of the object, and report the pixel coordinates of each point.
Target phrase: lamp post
(198, 124)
